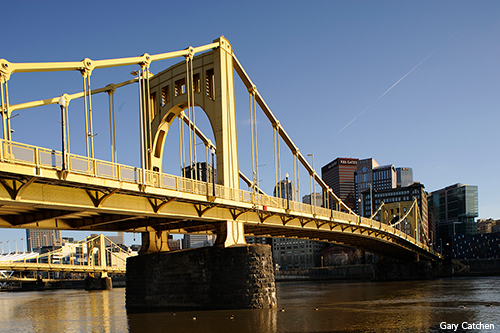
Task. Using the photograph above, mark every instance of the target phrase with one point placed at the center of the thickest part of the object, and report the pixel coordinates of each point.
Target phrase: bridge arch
(213, 92)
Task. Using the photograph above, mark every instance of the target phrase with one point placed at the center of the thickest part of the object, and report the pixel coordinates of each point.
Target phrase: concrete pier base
(238, 277)
(98, 283)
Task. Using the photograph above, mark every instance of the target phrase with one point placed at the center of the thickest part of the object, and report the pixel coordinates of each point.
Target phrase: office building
(479, 246)
(284, 189)
(290, 253)
(38, 238)
(200, 172)
(455, 208)
(119, 239)
(486, 226)
(363, 180)
(339, 176)
(384, 177)
(317, 199)
(258, 240)
(404, 176)
(191, 241)
(397, 202)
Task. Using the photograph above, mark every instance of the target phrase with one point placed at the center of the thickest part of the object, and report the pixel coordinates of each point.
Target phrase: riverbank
(20, 284)
(368, 272)
(395, 271)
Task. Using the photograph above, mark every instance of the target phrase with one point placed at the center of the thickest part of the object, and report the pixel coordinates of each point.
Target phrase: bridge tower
(204, 81)
(216, 275)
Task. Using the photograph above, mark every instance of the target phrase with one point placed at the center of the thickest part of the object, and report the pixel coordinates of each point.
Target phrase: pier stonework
(98, 283)
(237, 277)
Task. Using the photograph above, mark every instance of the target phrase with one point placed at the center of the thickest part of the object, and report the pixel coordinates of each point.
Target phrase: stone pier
(236, 277)
(98, 283)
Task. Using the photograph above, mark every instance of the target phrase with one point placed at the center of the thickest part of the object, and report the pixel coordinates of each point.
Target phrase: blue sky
(415, 82)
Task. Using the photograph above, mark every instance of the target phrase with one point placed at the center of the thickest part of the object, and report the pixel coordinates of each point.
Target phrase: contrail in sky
(402, 78)
(385, 93)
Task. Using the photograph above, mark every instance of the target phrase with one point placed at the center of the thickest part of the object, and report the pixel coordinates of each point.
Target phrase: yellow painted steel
(51, 261)
(168, 203)
(92, 194)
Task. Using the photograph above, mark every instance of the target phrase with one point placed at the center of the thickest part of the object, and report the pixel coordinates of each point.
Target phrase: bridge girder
(48, 205)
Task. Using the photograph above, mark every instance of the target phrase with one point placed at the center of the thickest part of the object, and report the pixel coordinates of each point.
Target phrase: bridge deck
(99, 195)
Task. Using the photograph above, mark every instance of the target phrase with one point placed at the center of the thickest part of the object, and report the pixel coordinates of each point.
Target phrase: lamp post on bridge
(313, 183)
(62, 104)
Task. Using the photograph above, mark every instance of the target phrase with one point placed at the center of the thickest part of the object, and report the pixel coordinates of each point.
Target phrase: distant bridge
(99, 259)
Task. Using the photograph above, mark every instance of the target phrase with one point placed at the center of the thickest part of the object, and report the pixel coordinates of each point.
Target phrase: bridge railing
(23, 154)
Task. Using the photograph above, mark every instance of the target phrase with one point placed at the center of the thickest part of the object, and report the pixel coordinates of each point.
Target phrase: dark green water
(420, 306)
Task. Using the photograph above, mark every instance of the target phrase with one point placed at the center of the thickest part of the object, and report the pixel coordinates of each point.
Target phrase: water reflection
(308, 307)
(63, 311)
(223, 321)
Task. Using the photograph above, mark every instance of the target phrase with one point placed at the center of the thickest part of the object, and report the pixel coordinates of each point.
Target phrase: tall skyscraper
(38, 238)
(455, 208)
(363, 180)
(284, 189)
(404, 176)
(339, 176)
(384, 177)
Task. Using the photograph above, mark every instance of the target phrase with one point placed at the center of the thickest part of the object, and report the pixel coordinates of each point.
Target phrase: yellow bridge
(56, 189)
(92, 255)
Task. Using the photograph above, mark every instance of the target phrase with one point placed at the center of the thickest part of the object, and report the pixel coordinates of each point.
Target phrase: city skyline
(409, 84)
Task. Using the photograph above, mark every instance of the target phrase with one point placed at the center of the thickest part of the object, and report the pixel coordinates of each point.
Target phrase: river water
(354, 307)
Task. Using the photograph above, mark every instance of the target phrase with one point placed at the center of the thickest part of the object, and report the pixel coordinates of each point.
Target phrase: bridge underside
(85, 203)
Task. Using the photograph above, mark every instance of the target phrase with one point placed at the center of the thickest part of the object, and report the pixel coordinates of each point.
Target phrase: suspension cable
(67, 128)
(114, 128)
(111, 100)
(91, 128)
(253, 143)
(275, 160)
(4, 108)
(294, 157)
(255, 138)
(191, 88)
(190, 120)
(149, 141)
(85, 107)
(180, 146)
(298, 178)
(279, 163)
(7, 112)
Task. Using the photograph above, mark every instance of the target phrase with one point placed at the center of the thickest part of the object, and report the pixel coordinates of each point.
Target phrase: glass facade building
(454, 209)
(284, 189)
(404, 176)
